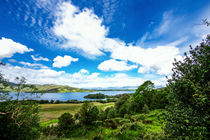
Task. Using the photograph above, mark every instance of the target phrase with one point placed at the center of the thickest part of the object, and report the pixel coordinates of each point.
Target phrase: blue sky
(97, 43)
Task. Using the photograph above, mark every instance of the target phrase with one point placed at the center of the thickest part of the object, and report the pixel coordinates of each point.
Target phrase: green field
(49, 112)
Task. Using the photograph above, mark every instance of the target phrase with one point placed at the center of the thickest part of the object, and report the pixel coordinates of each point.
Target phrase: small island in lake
(102, 96)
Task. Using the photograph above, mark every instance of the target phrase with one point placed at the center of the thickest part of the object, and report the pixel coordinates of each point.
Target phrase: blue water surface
(68, 96)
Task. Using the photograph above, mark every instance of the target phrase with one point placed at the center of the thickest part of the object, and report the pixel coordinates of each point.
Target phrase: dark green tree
(159, 99)
(121, 105)
(143, 95)
(111, 112)
(88, 113)
(66, 123)
(188, 112)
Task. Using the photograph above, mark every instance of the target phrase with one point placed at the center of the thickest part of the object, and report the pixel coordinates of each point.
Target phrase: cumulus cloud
(8, 48)
(34, 76)
(39, 58)
(114, 65)
(84, 71)
(158, 60)
(80, 74)
(81, 30)
(60, 61)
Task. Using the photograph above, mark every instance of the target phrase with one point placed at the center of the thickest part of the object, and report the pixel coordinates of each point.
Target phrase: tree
(122, 105)
(159, 99)
(19, 118)
(143, 95)
(65, 123)
(188, 112)
(110, 112)
(88, 113)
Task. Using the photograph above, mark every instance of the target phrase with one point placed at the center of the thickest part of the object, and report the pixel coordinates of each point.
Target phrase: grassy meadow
(50, 112)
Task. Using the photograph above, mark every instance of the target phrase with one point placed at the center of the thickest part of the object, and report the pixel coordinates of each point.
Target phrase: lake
(72, 96)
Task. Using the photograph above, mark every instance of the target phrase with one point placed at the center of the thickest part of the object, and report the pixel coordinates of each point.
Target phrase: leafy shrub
(188, 113)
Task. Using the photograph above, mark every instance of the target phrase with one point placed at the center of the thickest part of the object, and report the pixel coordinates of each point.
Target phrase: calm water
(72, 96)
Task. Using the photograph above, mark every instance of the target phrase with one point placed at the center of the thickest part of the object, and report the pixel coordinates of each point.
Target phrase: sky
(98, 43)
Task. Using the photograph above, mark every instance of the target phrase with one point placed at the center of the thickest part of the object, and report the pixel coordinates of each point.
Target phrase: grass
(49, 112)
(128, 128)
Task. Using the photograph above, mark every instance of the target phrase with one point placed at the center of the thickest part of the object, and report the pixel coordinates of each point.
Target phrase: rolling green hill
(48, 88)
(51, 88)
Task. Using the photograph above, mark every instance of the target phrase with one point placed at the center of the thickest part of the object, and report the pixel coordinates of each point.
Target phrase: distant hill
(49, 88)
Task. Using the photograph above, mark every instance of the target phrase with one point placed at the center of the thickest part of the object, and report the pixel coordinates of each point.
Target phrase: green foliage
(19, 119)
(145, 98)
(65, 124)
(115, 129)
(122, 105)
(110, 112)
(143, 95)
(145, 109)
(159, 99)
(95, 96)
(65, 121)
(188, 113)
(88, 113)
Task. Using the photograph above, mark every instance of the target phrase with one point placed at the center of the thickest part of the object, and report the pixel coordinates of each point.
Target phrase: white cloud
(39, 58)
(85, 80)
(109, 8)
(81, 30)
(84, 71)
(114, 65)
(80, 74)
(60, 61)
(33, 76)
(8, 48)
(35, 65)
(164, 25)
(158, 59)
